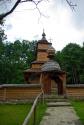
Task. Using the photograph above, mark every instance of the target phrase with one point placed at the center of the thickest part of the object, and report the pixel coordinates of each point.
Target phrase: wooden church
(45, 71)
(44, 74)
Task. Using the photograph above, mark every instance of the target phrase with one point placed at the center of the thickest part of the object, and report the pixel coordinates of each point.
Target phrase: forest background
(15, 57)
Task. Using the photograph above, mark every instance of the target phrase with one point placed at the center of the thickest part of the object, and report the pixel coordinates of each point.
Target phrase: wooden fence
(75, 91)
(31, 117)
(17, 92)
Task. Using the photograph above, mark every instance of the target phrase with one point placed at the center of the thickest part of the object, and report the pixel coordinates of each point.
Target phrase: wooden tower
(44, 70)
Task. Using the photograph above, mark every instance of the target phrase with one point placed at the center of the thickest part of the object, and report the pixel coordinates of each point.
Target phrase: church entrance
(58, 83)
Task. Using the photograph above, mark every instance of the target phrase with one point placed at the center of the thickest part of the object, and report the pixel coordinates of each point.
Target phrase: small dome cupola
(43, 35)
(51, 52)
(43, 39)
(50, 65)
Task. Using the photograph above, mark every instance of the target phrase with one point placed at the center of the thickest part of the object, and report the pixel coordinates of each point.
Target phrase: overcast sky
(61, 24)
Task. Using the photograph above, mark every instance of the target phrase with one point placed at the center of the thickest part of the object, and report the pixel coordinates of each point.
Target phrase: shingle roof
(38, 62)
(51, 66)
(33, 70)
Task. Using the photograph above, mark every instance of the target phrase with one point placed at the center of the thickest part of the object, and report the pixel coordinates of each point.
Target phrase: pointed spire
(43, 35)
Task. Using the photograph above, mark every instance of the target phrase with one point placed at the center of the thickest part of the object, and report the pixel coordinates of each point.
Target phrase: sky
(60, 23)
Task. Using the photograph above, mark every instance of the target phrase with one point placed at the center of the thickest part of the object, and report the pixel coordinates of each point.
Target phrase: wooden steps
(58, 104)
(56, 101)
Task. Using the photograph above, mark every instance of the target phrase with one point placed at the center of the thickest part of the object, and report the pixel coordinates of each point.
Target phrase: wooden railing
(31, 117)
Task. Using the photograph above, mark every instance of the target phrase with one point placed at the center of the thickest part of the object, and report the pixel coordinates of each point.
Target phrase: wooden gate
(46, 84)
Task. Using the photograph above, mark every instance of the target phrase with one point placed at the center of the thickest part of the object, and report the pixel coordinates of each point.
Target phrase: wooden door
(60, 88)
(46, 84)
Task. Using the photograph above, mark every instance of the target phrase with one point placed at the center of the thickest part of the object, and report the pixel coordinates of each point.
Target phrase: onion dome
(43, 36)
(51, 52)
(43, 40)
(50, 66)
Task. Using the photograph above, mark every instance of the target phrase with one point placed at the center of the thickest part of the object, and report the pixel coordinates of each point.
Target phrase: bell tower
(41, 54)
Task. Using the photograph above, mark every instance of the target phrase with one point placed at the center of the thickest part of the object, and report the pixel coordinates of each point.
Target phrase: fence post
(4, 96)
(33, 112)
(43, 97)
(34, 120)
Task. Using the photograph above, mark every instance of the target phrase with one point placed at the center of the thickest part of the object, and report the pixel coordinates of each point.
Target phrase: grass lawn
(79, 107)
(14, 114)
(40, 112)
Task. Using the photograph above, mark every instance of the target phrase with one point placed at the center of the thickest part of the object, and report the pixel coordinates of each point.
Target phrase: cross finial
(50, 40)
(43, 30)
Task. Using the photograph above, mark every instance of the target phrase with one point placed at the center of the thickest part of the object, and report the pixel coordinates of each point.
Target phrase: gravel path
(60, 116)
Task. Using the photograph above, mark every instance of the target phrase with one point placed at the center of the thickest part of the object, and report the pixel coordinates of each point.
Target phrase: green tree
(2, 51)
(16, 57)
(82, 65)
(71, 60)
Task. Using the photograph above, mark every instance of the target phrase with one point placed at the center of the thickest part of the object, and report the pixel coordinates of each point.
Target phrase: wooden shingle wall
(43, 46)
(42, 56)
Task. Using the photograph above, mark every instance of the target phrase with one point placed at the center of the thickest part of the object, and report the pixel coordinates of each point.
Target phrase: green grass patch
(41, 108)
(79, 108)
(14, 114)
